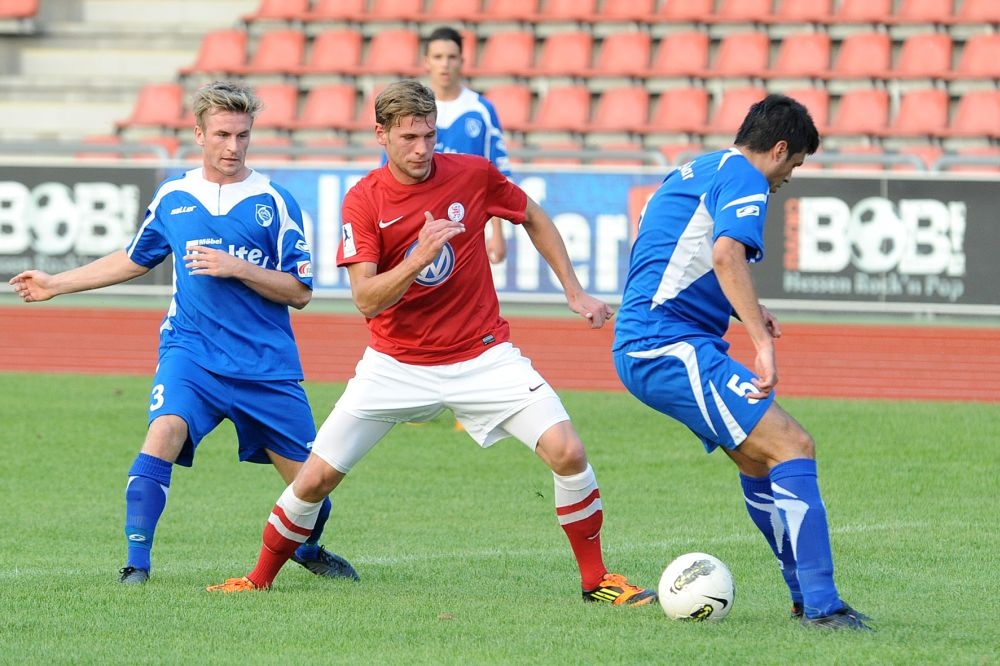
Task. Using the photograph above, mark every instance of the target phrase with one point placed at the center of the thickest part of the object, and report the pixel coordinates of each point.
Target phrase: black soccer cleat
(797, 612)
(324, 563)
(133, 576)
(844, 618)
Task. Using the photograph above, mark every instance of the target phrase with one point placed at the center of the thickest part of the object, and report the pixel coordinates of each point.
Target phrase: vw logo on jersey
(265, 215)
(473, 127)
(439, 270)
(456, 212)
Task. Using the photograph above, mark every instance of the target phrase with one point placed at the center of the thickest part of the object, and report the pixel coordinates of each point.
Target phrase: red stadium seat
(621, 110)
(453, 10)
(565, 54)
(680, 110)
(278, 10)
(924, 11)
(328, 107)
(733, 108)
(978, 12)
(924, 55)
(741, 54)
(803, 11)
(923, 112)
(977, 114)
(568, 11)
(802, 54)
(640, 11)
(16, 10)
(862, 111)
(510, 53)
(680, 54)
(395, 10)
(277, 52)
(333, 51)
(221, 52)
(157, 105)
(980, 57)
(510, 10)
(742, 11)
(513, 105)
(335, 10)
(686, 11)
(817, 101)
(863, 11)
(863, 55)
(281, 106)
(393, 52)
(624, 53)
(563, 108)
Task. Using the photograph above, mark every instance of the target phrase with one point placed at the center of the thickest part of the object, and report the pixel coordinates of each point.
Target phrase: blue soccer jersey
(671, 292)
(469, 125)
(223, 325)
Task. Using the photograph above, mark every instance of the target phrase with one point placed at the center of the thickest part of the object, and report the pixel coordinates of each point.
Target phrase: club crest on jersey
(265, 215)
(456, 212)
(473, 127)
(439, 270)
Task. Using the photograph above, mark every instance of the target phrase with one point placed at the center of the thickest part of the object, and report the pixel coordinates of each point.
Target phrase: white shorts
(498, 394)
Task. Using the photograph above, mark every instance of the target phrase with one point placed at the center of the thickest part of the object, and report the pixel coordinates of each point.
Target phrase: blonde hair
(224, 96)
(403, 99)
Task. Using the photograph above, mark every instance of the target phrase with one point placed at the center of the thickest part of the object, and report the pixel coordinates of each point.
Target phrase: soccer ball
(697, 587)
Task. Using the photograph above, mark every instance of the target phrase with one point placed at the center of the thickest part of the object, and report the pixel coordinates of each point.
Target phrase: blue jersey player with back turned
(227, 351)
(689, 273)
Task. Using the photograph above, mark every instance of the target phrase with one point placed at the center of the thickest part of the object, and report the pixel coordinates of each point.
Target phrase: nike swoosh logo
(383, 225)
(535, 388)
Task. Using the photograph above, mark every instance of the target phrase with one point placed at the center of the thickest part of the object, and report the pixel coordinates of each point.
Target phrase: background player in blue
(466, 121)
(688, 274)
(226, 344)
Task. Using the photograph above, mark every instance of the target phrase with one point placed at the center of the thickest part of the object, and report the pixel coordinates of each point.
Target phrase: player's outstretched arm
(115, 268)
(546, 239)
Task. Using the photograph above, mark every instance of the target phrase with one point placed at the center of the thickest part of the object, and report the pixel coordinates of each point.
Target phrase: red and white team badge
(456, 212)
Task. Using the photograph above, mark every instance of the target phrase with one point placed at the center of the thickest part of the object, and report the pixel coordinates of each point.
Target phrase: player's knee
(562, 450)
(316, 480)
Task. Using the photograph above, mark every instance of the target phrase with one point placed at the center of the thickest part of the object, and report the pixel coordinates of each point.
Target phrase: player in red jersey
(412, 242)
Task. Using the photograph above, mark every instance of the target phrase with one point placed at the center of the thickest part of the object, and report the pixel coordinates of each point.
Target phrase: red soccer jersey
(450, 313)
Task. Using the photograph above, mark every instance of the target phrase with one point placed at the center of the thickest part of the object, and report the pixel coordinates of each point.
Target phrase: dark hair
(446, 34)
(401, 99)
(778, 118)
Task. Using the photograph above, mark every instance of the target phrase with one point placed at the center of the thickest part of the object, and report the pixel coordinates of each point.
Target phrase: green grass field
(461, 558)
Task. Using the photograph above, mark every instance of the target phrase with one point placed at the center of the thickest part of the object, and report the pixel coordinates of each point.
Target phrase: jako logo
(439, 270)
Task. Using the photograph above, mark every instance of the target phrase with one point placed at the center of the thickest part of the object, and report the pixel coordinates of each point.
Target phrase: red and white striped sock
(580, 513)
(289, 525)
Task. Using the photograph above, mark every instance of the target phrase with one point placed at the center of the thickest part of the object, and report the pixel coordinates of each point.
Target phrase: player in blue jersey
(227, 351)
(689, 274)
(466, 121)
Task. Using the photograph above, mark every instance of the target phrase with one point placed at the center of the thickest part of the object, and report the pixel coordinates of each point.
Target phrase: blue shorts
(271, 415)
(697, 383)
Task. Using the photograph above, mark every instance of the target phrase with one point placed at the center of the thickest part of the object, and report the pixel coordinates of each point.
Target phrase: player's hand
(433, 236)
(202, 260)
(767, 373)
(32, 286)
(596, 311)
(770, 322)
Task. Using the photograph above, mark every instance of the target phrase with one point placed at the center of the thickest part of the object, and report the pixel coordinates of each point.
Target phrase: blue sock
(796, 494)
(145, 497)
(764, 514)
(309, 549)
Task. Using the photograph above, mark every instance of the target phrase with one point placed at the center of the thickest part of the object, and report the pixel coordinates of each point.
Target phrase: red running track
(815, 360)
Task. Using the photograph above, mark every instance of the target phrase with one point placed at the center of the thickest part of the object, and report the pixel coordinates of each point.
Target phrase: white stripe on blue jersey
(469, 125)
(671, 292)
